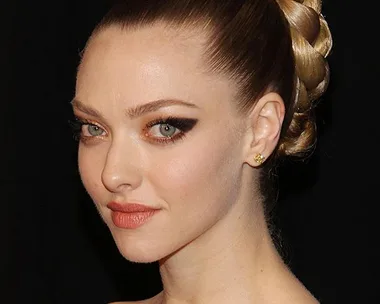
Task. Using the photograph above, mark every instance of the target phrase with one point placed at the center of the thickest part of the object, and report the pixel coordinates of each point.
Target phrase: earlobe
(259, 158)
(265, 124)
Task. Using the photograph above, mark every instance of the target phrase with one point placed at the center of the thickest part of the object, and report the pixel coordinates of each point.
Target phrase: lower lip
(131, 220)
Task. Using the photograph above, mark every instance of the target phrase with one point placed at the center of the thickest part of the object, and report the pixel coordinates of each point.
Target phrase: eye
(165, 130)
(85, 130)
(92, 130)
(170, 129)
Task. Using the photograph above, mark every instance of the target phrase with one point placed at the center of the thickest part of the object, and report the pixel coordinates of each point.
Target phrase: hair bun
(312, 42)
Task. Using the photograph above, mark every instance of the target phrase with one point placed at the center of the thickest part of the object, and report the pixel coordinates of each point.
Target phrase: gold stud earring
(259, 158)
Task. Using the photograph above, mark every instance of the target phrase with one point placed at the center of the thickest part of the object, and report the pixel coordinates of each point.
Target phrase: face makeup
(130, 215)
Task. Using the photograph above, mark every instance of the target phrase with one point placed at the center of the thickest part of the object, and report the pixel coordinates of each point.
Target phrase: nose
(122, 169)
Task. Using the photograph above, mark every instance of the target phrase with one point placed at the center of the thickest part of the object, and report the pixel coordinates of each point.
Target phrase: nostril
(119, 177)
(121, 166)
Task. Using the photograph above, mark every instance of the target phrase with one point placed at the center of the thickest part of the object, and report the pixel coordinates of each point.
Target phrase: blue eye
(93, 130)
(169, 129)
(161, 131)
(85, 130)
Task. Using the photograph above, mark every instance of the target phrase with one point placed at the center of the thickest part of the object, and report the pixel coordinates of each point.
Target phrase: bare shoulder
(155, 300)
(129, 302)
(148, 301)
(295, 292)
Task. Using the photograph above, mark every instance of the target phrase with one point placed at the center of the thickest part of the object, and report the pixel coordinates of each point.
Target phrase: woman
(183, 107)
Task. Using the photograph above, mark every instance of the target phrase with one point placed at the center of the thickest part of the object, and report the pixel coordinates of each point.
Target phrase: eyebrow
(136, 111)
(85, 109)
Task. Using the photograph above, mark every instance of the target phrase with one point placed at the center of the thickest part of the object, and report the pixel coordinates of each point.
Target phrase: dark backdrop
(55, 249)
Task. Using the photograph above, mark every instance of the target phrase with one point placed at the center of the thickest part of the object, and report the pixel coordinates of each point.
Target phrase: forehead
(144, 51)
(153, 62)
(151, 40)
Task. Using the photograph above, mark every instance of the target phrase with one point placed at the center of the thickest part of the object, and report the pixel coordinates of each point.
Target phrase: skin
(210, 235)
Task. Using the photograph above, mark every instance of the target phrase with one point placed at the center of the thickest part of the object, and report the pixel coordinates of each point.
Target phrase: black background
(55, 249)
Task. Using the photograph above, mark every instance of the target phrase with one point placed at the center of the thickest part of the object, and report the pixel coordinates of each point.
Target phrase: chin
(136, 248)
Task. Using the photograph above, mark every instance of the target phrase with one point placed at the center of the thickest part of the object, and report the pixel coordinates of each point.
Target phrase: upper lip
(129, 207)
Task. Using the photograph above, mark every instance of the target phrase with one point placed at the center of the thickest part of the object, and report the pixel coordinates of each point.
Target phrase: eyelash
(184, 125)
(76, 127)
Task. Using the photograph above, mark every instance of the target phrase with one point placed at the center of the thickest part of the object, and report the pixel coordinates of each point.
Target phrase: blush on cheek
(198, 184)
(198, 172)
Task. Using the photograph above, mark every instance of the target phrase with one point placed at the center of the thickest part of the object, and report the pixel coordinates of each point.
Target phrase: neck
(227, 264)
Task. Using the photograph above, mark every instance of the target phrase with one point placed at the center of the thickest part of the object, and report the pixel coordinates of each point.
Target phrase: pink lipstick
(130, 216)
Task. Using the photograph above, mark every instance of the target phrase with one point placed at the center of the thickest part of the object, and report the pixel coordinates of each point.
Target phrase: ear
(264, 127)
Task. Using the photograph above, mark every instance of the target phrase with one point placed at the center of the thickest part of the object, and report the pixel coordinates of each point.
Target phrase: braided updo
(264, 45)
(312, 42)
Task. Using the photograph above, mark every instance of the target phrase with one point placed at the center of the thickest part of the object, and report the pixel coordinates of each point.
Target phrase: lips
(129, 208)
(130, 216)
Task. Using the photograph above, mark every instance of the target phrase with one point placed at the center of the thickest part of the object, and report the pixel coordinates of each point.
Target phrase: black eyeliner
(76, 126)
(183, 124)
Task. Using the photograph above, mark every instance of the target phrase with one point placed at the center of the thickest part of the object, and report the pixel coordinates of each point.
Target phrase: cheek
(201, 173)
(90, 168)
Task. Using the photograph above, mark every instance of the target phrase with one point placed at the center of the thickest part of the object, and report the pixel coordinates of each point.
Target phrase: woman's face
(160, 132)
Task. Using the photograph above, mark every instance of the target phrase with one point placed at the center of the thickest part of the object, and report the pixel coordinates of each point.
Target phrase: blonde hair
(312, 42)
(264, 45)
